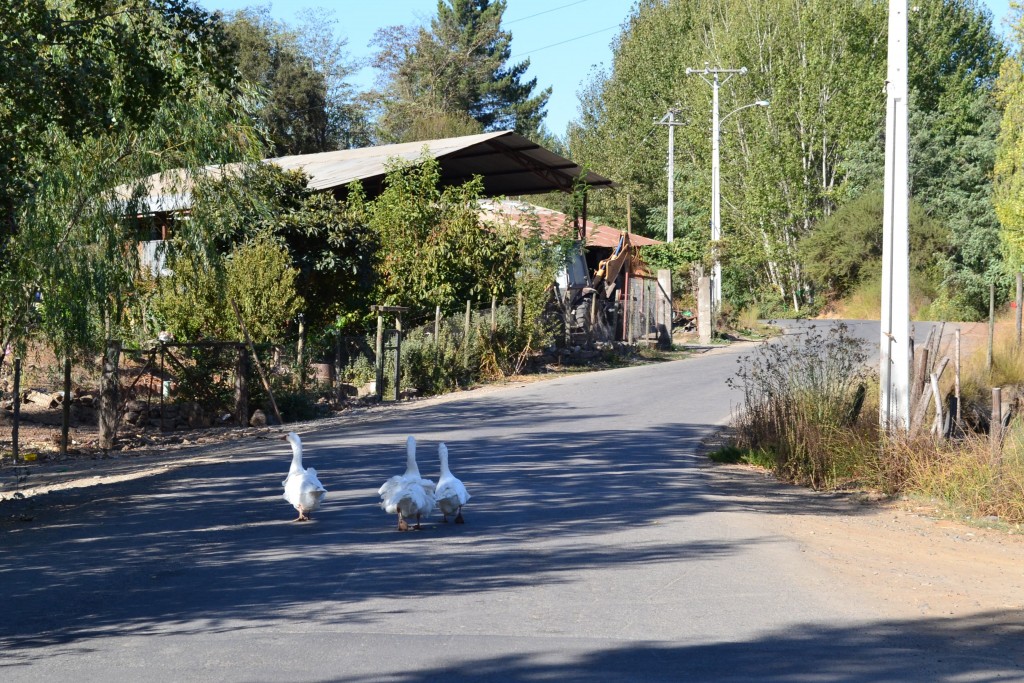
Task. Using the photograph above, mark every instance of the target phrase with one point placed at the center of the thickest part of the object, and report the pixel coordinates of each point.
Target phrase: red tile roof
(550, 222)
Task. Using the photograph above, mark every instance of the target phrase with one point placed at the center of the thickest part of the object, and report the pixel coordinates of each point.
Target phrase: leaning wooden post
(256, 360)
(17, 408)
(991, 324)
(465, 337)
(379, 377)
(65, 417)
(108, 394)
(242, 386)
(996, 425)
(398, 353)
(956, 385)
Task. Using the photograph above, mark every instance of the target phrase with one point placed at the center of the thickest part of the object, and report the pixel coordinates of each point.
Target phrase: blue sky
(564, 39)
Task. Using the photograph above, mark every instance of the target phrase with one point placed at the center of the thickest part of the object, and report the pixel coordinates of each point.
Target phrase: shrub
(801, 396)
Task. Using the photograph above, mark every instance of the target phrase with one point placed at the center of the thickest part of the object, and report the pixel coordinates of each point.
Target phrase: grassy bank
(810, 415)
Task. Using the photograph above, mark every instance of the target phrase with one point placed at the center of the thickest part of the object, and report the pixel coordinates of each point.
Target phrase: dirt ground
(902, 552)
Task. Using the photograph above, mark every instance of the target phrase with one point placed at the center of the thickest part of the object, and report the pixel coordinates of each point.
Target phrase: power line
(578, 2)
(586, 35)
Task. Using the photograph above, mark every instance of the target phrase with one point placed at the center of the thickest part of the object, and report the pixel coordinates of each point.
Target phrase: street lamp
(716, 206)
(716, 200)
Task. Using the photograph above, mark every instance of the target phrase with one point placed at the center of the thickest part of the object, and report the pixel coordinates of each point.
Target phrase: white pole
(671, 221)
(716, 207)
(895, 324)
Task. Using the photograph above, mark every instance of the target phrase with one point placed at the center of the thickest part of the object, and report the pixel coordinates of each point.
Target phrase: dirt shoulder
(901, 553)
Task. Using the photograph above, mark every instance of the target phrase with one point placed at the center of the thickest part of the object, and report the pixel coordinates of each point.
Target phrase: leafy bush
(801, 395)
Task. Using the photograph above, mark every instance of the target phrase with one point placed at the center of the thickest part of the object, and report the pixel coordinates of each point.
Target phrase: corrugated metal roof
(550, 221)
(509, 164)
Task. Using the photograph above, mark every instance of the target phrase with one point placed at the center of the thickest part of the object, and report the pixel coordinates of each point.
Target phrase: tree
(785, 169)
(308, 104)
(455, 76)
(97, 96)
(437, 252)
(326, 243)
(1009, 166)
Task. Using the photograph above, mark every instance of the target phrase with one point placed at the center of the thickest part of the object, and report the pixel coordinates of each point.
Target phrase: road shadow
(211, 548)
(984, 647)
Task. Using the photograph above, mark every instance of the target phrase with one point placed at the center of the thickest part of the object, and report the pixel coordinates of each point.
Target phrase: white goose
(451, 494)
(302, 488)
(409, 495)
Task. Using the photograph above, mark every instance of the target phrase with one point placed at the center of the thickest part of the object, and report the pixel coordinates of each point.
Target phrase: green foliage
(1009, 166)
(308, 105)
(259, 276)
(846, 248)
(454, 79)
(326, 242)
(96, 96)
(193, 303)
(437, 252)
(786, 168)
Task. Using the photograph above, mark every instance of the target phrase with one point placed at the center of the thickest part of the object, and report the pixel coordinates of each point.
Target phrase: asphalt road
(597, 548)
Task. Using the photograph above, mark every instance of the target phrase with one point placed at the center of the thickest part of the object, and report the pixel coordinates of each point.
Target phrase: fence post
(242, 386)
(519, 309)
(300, 352)
(437, 324)
(494, 314)
(704, 310)
(996, 425)
(1019, 301)
(379, 378)
(956, 385)
(465, 337)
(108, 394)
(65, 418)
(17, 408)
(337, 367)
(398, 353)
(991, 323)
(664, 307)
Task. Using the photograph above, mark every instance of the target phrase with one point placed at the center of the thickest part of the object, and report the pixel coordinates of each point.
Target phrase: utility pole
(712, 76)
(894, 367)
(669, 119)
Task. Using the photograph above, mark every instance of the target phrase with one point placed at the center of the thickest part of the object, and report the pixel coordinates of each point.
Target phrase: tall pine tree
(455, 78)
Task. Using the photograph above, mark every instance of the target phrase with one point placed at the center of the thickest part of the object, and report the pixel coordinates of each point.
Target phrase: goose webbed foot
(458, 517)
(303, 517)
(417, 527)
(402, 524)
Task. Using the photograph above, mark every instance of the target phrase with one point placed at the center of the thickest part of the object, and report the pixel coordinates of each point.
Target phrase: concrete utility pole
(894, 348)
(716, 124)
(669, 119)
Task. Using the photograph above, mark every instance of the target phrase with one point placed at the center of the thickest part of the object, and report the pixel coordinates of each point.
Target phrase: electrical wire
(531, 16)
(585, 35)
